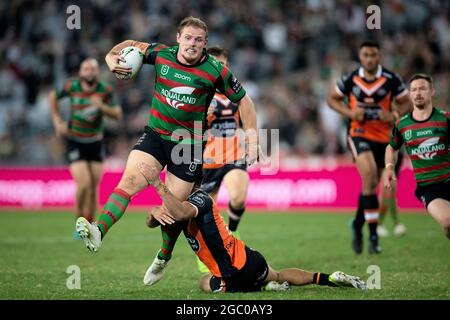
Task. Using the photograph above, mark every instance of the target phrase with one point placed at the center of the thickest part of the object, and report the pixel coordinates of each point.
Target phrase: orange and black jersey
(224, 145)
(212, 242)
(373, 96)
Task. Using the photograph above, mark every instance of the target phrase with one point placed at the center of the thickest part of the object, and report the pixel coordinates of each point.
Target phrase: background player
(90, 100)
(224, 156)
(234, 267)
(425, 134)
(186, 80)
(388, 205)
(370, 89)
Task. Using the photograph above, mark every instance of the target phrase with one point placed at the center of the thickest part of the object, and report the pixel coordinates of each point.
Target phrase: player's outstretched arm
(111, 111)
(248, 117)
(336, 102)
(176, 209)
(390, 158)
(60, 125)
(247, 113)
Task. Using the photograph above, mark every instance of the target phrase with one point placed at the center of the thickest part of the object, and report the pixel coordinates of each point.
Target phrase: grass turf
(37, 248)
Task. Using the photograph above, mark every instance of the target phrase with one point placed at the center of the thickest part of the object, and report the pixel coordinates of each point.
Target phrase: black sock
(371, 213)
(373, 231)
(234, 216)
(322, 279)
(359, 218)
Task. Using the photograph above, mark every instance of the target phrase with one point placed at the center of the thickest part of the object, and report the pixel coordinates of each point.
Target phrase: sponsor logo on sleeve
(235, 84)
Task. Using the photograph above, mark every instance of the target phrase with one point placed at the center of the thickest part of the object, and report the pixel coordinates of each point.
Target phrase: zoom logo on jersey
(182, 77)
(428, 149)
(424, 133)
(179, 96)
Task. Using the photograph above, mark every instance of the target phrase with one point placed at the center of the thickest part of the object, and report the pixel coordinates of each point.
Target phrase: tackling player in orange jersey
(233, 266)
(370, 91)
(224, 156)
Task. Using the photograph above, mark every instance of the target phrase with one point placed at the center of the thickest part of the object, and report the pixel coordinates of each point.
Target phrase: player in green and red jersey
(90, 100)
(233, 266)
(425, 134)
(186, 80)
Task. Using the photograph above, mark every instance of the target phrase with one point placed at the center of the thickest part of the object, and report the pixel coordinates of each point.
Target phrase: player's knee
(237, 201)
(132, 184)
(84, 185)
(95, 183)
(90, 191)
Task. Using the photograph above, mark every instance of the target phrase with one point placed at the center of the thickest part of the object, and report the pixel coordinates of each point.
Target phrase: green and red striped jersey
(86, 120)
(183, 93)
(427, 144)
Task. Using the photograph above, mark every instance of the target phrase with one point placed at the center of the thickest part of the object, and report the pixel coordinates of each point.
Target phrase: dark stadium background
(286, 53)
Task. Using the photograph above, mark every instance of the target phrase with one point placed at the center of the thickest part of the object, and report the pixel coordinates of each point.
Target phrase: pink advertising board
(338, 188)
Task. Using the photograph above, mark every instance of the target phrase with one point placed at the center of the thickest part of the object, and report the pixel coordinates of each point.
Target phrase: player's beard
(420, 104)
(89, 81)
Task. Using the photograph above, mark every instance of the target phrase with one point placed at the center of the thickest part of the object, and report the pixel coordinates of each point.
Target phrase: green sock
(169, 236)
(386, 206)
(113, 210)
(393, 210)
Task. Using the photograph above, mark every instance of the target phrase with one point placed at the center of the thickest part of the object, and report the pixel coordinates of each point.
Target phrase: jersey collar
(422, 121)
(377, 75)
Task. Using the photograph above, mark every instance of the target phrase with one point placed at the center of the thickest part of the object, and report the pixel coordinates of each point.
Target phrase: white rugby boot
(89, 233)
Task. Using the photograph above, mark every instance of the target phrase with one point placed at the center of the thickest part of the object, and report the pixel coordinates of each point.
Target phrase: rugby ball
(133, 58)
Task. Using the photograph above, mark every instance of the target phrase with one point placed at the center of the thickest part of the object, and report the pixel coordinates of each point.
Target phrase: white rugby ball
(133, 59)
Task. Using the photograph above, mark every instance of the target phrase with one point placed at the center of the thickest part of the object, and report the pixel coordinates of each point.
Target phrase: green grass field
(36, 249)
